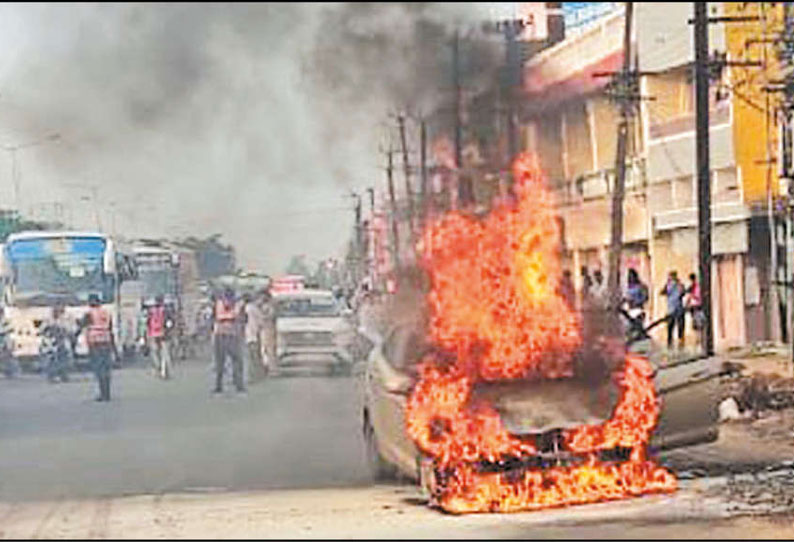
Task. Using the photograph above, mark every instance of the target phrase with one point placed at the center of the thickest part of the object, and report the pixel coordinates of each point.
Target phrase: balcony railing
(600, 184)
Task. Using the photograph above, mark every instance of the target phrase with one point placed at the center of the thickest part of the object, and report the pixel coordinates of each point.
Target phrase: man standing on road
(227, 315)
(157, 324)
(99, 335)
(253, 332)
(268, 330)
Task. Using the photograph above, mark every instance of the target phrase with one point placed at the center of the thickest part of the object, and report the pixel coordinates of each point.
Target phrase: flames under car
(539, 412)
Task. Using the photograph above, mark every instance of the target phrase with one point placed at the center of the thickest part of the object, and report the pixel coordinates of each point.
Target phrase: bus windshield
(157, 274)
(158, 282)
(64, 269)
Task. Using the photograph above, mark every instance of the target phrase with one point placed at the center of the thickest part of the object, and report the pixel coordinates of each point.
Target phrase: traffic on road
(397, 270)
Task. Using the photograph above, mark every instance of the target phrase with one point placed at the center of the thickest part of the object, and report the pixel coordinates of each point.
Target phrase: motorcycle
(10, 366)
(56, 352)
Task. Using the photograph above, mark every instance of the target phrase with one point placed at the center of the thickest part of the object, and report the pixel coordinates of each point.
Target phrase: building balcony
(567, 68)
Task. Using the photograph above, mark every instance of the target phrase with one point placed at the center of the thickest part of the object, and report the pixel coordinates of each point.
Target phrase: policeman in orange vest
(158, 323)
(98, 325)
(229, 319)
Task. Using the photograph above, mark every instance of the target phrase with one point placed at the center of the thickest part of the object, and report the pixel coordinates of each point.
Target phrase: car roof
(307, 292)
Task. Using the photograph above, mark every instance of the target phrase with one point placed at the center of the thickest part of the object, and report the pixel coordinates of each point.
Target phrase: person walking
(635, 299)
(227, 317)
(98, 325)
(674, 291)
(158, 324)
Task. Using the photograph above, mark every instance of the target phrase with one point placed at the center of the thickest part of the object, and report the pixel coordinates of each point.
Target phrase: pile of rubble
(759, 493)
(748, 395)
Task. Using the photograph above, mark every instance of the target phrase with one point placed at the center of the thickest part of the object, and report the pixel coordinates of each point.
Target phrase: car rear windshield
(307, 306)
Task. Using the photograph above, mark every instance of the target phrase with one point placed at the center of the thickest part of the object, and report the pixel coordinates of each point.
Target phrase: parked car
(689, 393)
(312, 327)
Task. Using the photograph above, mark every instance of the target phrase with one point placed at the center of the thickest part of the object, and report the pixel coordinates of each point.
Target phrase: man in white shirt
(254, 325)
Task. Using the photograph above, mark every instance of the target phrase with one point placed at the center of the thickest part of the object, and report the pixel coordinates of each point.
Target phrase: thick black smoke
(248, 119)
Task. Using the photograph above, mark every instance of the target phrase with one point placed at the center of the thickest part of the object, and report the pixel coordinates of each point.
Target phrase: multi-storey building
(570, 123)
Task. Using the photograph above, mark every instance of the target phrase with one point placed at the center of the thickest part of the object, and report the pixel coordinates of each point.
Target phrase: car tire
(379, 469)
(425, 474)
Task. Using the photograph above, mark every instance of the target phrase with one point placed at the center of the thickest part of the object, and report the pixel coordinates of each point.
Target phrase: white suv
(312, 327)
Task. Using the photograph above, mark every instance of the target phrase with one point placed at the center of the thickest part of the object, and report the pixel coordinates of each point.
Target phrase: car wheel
(426, 475)
(379, 469)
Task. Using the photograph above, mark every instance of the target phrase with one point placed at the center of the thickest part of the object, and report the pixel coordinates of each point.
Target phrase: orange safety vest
(98, 327)
(156, 323)
(225, 318)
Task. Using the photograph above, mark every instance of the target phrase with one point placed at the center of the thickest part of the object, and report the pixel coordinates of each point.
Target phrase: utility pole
(423, 206)
(787, 61)
(464, 183)
(392, 200)
(626, 105)
(409, 191)
(703, 169)
(512, 81)
(359, 239)
(371, 192)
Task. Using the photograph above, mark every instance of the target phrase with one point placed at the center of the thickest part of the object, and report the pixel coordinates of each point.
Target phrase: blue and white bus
(43, 268)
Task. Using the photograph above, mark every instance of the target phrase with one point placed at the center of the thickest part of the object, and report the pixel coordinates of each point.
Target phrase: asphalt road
(294, 431)
(166, 459)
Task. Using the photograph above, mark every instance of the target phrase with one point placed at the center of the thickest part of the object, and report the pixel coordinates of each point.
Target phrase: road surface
(169, 460)
(162, 436)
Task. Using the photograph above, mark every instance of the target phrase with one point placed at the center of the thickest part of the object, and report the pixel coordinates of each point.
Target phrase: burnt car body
(688, 389)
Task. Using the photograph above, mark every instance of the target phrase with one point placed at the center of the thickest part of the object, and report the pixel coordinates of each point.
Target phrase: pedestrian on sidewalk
(635, 299)
(566, 289)
(98, 325)
(676, 319)
(694, 303)
(587, 287)
(229, 318)
(599, 289)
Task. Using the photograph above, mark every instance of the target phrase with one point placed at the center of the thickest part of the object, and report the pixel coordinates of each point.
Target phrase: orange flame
(496, 314)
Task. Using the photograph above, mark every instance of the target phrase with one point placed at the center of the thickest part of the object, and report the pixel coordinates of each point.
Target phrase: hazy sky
(254, 121)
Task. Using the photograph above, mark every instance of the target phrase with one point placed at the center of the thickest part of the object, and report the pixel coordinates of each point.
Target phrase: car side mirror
(401, 385)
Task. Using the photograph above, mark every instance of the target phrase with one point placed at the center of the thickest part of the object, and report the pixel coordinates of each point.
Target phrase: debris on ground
(756, 382)
(729, 410)
(766, 492)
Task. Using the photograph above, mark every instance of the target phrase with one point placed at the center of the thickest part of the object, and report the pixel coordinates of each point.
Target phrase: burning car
(539, 410)
(504, 397)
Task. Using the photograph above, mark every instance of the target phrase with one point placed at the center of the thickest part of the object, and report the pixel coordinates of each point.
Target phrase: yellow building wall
(751, 132)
